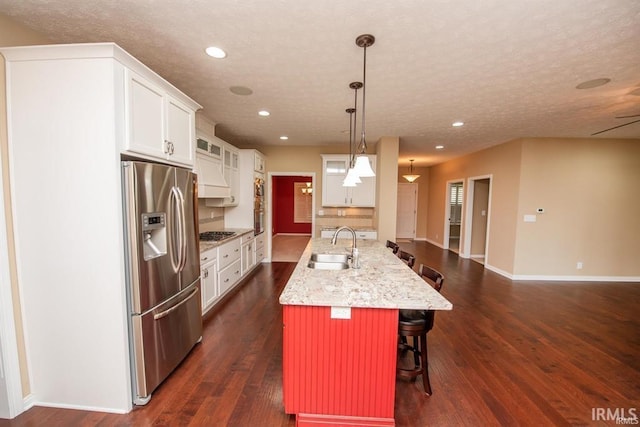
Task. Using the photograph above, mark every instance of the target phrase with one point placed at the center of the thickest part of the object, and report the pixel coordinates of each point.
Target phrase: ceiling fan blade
(628, 117)
(615, 127)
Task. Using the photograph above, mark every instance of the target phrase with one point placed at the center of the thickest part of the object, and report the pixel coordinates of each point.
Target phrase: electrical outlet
(341, 312)
(579, 265)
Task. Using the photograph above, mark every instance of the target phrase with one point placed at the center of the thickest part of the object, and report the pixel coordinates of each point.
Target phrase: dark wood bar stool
(416, 324)
(393, 246)
(408, 258)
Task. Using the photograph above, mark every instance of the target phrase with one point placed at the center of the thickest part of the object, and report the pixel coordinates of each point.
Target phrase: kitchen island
(340, 334)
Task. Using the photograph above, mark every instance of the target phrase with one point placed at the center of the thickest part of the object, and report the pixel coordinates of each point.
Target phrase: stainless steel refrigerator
(163, 271)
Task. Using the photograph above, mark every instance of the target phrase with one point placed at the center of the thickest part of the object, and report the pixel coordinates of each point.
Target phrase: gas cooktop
(216, 235)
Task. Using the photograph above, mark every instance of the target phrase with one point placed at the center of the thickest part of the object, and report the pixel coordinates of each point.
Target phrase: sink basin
(330, 257)
(329, 261)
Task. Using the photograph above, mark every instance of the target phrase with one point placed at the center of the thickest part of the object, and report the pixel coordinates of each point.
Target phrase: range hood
(211, 182)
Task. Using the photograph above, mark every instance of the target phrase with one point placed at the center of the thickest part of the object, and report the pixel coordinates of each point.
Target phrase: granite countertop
(205, 246)
(383, 281)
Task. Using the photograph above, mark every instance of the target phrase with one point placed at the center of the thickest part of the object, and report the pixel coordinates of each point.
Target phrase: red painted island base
(339, 371)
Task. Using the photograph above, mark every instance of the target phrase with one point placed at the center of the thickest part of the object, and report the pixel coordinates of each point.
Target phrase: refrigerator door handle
(183, 230)
(178, 259)
(168, 311)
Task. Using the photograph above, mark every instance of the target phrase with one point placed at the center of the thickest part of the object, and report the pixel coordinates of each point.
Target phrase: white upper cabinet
(259, 164)
(158, 125)
(334, 171)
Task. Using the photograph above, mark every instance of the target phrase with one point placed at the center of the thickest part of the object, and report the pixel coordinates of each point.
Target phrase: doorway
(453, 224)
(290, 219)
(407, 210)
(478, 218)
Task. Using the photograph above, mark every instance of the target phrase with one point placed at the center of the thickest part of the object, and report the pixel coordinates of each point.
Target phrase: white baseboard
(434, 243)
(556, 278)
(553, 278)
(78, 407)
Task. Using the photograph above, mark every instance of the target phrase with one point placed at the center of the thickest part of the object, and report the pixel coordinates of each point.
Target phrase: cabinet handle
(204, 259)
(166, 146)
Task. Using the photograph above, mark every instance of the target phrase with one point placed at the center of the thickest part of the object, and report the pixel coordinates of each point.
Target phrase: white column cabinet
(231, 174)
(242, 215)
(334, 171)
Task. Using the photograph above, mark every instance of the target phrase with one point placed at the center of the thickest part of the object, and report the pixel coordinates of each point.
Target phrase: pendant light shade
(411, 176)
(352, 179)
(363, 167)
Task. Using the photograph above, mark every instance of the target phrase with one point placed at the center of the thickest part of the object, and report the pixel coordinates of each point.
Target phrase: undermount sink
(329, 261)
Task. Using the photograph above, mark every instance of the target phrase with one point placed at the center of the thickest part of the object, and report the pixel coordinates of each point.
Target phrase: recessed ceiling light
(593, 83)
(439, 147)
(457, 124)
(263, 113)
(215, 52)
(284, 137)
(240, 90)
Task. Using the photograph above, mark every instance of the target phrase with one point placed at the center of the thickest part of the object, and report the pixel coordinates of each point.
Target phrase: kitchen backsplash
(209, 219)
(360, 218)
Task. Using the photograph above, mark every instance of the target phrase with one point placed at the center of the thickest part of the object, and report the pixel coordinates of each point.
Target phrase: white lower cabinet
(259, 248)
(229, 268)
(248, 252)
(229, 276)
(224, 266)
(209, 278)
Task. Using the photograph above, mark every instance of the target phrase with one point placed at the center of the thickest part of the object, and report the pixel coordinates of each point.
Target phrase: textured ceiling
(508, 69)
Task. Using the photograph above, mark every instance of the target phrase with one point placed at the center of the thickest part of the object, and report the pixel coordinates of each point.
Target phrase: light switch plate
(529, 218)
(341, 312)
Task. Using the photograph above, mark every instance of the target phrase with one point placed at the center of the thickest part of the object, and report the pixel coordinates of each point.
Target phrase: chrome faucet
(355, 256)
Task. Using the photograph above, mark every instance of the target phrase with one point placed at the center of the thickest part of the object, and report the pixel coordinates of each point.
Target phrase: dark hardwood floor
(510, 353)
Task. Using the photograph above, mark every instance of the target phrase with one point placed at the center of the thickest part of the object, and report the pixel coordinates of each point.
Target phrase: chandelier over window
(411, 176)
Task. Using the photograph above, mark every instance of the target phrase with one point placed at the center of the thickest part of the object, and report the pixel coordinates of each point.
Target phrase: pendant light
(411, 176)
(362, 165)
(352, 177)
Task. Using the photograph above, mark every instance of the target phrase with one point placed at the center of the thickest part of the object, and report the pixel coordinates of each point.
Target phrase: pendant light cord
(363, 142)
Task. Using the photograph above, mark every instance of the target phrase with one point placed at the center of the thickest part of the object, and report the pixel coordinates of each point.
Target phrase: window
(302, 202)
(455, 203)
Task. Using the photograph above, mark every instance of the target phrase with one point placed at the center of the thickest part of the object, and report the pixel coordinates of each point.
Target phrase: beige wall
(387, 187)
(585, 187)
(503, 163)
(588, 189)
(13, 34)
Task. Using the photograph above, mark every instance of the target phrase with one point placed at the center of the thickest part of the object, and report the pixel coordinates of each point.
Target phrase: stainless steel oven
(258, 204)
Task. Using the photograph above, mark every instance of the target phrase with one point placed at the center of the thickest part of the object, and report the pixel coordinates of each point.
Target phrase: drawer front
(248, 237)
(260, 240)
(208, 256)
(229, 276)
(260, 254)
(228, 253)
